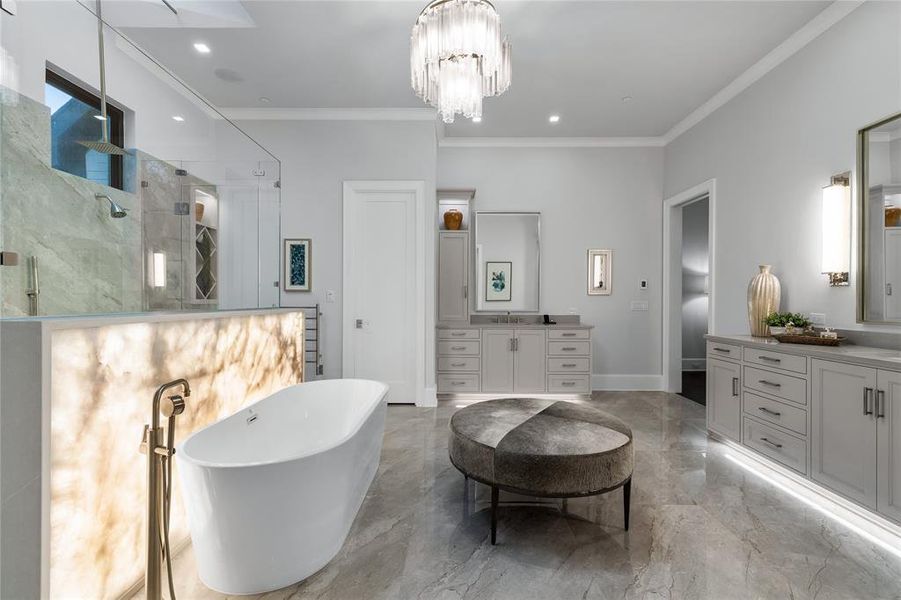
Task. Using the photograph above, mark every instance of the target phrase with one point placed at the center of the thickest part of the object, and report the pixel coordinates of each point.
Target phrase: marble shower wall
(102, 383)
(89, 262)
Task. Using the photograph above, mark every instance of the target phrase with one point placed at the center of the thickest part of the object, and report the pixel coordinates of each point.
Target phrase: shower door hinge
(9, 259)
(258, 172)
(145, 184)
(278, 183)
(181, 172)
(182, 208)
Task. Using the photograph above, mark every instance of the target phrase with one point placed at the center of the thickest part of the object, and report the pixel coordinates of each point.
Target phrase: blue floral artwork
(497, 285)
(297, 265)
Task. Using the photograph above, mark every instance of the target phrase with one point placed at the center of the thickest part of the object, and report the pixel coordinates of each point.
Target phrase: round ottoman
(546, 448)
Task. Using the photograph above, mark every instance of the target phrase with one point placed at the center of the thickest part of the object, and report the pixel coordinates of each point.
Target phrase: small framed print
(600, 272)
(497, 281)
(298, 265)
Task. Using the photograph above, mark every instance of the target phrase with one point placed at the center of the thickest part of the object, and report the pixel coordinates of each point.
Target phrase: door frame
(420, 224)
(671, 363)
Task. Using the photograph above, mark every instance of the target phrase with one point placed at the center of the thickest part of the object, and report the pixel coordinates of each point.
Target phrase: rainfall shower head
(115, 211)
(102, 147)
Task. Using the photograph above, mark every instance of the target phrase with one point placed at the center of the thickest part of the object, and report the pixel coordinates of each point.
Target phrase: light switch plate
(818, 319)
(639, 305)
(330, 296)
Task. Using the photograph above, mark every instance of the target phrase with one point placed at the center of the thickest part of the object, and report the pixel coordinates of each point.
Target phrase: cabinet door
(453, 276)
(723, 398)
(888, 440)
(530, 361)
(843, 432)
(497, 360)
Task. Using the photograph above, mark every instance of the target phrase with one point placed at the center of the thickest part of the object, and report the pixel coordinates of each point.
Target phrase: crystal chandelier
(458, 57)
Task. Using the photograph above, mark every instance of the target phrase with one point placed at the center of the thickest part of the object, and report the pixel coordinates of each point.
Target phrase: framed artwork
(298, 265)
(600, 272)
(497, 281)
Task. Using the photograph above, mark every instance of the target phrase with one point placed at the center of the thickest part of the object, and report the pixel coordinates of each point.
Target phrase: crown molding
(329, 114)
(830, 15)
(551, 142)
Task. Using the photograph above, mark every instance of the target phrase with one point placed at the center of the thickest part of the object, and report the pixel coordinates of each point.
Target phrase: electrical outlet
(639, 305)
(643, 284)
(818, 319)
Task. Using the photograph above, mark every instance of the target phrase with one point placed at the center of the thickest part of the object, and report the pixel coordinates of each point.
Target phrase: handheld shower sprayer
(159, 484)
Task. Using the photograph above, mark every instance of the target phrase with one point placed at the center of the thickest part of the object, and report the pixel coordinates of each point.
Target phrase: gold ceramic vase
(764, 293)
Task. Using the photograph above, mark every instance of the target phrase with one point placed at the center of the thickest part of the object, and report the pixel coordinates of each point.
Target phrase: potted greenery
(779, 323)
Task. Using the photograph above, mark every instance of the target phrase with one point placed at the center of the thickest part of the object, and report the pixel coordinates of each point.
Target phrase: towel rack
(312, 342)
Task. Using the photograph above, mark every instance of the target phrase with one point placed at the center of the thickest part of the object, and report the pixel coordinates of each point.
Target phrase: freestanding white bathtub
(272, 490)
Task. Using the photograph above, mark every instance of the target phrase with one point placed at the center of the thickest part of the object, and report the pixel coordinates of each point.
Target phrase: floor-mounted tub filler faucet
(158, 443)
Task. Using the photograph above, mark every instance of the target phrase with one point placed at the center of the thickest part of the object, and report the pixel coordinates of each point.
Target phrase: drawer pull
(458, 333)
(769, 412)
(458, 347)
(769, 383)
(458, 383)
(569, 365)
(735, 386)
(770, 359)
(568, 383)
(568, 349)
(773, 444)
(880, 404)
(726, 350)
(569, 335)
(458, 364)
(867, 399)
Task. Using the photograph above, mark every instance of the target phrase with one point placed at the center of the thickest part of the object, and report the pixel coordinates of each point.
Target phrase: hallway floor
(694, 386)
(702, 527)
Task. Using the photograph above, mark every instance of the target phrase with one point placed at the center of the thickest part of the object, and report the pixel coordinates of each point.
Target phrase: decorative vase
(198, 211)
(892, 216)
(453, 218)
(764, 293)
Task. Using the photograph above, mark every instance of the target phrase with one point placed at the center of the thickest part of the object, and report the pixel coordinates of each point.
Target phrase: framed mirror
(507, 261)
(879, 222)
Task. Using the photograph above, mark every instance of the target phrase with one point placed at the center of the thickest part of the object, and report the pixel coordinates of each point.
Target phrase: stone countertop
(516, 326)
(867, 356)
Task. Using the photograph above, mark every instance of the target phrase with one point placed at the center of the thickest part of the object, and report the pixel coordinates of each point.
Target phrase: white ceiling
(577, 59)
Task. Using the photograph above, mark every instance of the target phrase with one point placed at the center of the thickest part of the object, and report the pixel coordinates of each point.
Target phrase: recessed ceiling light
(554, 119)
(477, 119)
(201, 47)
(265, 100)
(178, 118)
(627, 98)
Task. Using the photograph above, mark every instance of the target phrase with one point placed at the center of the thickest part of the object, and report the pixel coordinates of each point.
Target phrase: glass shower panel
(190, 222)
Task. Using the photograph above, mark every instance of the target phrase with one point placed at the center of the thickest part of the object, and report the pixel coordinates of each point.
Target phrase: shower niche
(205, 215)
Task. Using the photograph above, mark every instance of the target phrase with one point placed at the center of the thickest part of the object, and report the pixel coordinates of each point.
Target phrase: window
(74, 116)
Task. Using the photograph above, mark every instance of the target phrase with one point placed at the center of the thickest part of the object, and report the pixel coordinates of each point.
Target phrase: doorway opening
(688, 272)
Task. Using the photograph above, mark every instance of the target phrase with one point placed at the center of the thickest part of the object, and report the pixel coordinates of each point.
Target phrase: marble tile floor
(702, 527)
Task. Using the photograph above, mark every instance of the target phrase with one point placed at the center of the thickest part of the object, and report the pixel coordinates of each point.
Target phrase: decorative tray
(812, 340)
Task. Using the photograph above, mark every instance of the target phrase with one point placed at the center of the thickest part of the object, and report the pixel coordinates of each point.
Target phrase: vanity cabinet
(513, 360)
(888, 445)
(724, 398)
(453, 277)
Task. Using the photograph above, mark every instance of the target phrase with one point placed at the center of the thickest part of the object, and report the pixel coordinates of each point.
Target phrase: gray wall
(774, 147)
(316, 158)
(588, 198)
(695, 269)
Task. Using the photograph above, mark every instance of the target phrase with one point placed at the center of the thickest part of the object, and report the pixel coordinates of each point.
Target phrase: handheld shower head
(115, 211)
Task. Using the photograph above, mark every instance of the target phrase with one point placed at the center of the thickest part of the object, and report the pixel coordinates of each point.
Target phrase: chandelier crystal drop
(458, 56)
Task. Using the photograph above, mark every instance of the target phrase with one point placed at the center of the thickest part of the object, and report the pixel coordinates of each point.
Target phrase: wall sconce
(158, 269)
(837, 230)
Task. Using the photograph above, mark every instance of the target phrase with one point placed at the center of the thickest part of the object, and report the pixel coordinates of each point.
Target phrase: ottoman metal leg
(494, 495)
(627, 495)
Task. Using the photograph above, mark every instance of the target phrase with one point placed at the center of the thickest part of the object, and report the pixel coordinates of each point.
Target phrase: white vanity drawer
(781, 447)
(458, 347)
(568, 365)
(720, 350)
(568, 384)
(459, 334)
(577, 348)
(776, 384)
(458, 363)
(773, 411)
(778, 360)
(568, 334)
(464, 382)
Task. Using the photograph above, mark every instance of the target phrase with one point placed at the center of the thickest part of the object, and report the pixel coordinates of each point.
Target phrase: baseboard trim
(428, 398)
(616, 383)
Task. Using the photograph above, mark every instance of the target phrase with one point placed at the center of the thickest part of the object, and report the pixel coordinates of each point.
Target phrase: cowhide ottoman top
(541, 447)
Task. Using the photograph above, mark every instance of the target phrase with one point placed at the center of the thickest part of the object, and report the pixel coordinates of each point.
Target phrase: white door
(383, 289)
(888, 437)
(843, 430)
(497, 360)
(530, 361)
(723, 398)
